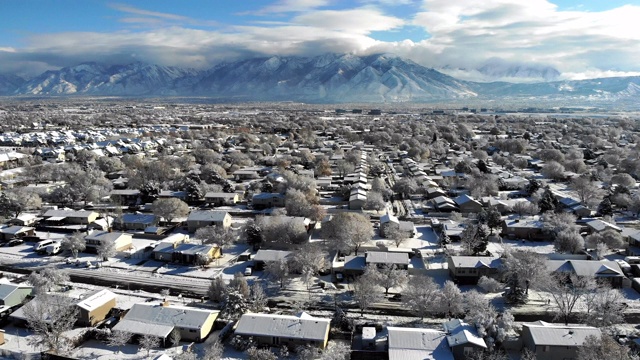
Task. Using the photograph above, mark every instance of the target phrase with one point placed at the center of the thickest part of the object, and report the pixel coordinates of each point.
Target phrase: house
(279, 330)
(24, 220)
(125, 196)
(245, 174)
(417, 344)
(13, 295)
(469, 269)
(463, 339)
(555, 342)
(122, 241)
(382, 258)
(136, 221)
(161, 319)
(434, 192)
(61, 217)
(96, 307)
(467, 204)
(444, 204)
(221, 198)
(267, 200)
(529, 228)
(357, 201)
(201, 218)
(604, 270)
(264, 256)
(185, 253)
(597, 225)
(389, 224)
(16, 232)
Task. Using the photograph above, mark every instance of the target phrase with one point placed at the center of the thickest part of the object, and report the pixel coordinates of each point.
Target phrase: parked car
(15, 242)
(396, 297)
(248, 271)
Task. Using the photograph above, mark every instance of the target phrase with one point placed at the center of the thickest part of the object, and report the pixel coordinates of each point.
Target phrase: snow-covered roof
(96, 300)
(544, 334)
(285, 326)
(417, 344)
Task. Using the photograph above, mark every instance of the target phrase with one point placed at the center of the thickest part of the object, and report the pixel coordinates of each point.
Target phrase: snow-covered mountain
(332, 78)
(325, 78)
(96, 79)
(9, 84)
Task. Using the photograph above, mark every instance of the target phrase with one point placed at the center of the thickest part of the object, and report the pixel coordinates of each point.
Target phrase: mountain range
(326, 78)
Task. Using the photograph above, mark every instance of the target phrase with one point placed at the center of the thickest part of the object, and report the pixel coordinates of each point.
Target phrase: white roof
(285, 326)
(96, 300)
(418, 344)
(558, 335)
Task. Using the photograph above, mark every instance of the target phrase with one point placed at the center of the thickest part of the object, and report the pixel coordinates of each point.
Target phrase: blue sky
(580, 38)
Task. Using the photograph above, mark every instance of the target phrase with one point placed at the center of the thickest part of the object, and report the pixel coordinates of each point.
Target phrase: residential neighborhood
(283, 231)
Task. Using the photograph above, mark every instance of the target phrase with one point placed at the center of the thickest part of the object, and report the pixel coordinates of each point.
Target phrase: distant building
(201, 218)
(121, 241)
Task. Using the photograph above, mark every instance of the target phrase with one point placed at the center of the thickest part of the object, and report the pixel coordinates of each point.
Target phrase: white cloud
(462, 34)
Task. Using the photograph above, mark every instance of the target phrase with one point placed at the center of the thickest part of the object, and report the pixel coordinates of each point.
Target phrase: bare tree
(106, 250)
(119, 338)
(148, 342)
(365, 291)
(50, 316)
(527, 266)
(375, 201)
(47, 279)
(258, 299)
(405, 186)
(390, 276)
(217, 289)
(310, 260)
(525, 208)
(336, 351)
(348, 231)
(553, 170)
(603, 347)
(421, 295)
(450, 300)
(170, 208)
(588, 191)
(213, 350)
(239, 283)
(175, 337)
(74, 243)
(566, 291)
(216, 235)
(604, 307)
(278, 271)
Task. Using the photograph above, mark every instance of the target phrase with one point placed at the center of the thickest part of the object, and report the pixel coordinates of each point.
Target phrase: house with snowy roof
(277, 330)
(554, 341)
(600, 269)
(469, 269)
(463, 339)
(418, 344)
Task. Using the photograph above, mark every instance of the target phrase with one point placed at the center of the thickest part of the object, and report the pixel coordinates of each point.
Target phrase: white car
(248, 271)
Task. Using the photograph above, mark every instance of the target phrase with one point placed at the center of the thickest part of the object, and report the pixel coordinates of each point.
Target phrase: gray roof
(302, 327)
(381, 257)
(601, 268)
(476, 261)
(139, 218)
(600, 225)
(223, 195)
(417, 344)
(271, 255)
(158, 320)
(8, 289)
(207, 215)
(67, 213)
(557, 335)
(105, 236)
